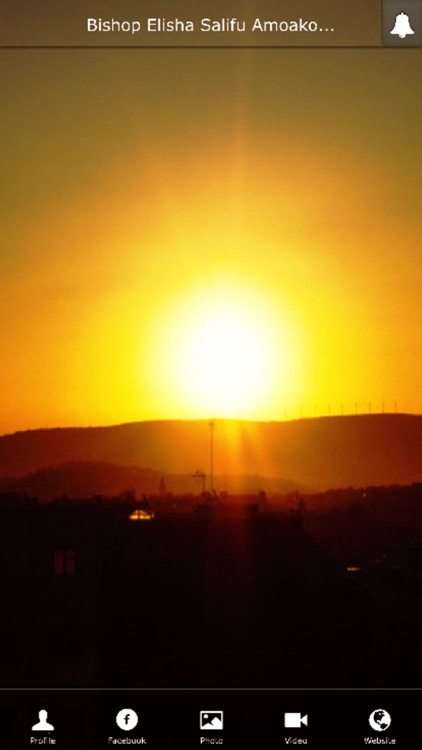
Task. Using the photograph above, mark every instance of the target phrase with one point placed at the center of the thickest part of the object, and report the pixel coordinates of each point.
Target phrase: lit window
(141, 515)
(64, 562)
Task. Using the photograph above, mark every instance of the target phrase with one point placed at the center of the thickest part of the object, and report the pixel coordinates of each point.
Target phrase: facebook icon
(127, 719)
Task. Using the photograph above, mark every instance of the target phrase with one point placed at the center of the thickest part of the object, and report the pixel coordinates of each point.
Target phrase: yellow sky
(152, 195)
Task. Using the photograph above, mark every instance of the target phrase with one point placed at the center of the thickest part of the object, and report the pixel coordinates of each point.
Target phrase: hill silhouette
(319, 453)
(84, 479)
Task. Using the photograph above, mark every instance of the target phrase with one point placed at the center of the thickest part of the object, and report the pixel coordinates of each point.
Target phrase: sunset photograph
(211, 413)
(190, 234)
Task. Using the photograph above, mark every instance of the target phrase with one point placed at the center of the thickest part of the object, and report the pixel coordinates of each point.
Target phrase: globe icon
(380, 720)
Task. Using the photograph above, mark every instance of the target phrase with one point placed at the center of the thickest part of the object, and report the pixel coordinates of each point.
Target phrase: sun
(225, 361)
(231, 351)
(223, 357)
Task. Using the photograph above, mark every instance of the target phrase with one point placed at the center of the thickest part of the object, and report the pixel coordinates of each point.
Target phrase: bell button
(402, 23)
(402, 26)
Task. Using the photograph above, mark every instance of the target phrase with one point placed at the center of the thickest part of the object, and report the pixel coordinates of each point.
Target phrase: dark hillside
(319, 453)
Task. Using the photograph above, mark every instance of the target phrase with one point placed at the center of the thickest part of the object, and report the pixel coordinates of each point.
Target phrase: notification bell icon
(402, 26)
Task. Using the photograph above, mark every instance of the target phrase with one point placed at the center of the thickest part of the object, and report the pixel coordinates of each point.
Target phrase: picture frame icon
(211, 720)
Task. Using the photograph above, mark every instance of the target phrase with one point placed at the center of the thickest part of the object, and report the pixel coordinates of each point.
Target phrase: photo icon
(211, 720)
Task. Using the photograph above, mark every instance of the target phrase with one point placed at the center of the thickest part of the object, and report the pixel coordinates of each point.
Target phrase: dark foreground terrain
(219, 595)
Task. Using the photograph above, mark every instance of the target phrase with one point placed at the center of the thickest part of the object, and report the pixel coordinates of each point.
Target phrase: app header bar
(210, 23)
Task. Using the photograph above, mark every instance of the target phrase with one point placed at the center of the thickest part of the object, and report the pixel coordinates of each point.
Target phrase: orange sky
(150, 190)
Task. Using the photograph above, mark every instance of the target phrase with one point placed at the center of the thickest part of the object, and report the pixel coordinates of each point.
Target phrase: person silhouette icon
(43, 725)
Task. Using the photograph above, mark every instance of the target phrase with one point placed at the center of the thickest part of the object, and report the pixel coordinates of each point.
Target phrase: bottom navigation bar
(229, 718)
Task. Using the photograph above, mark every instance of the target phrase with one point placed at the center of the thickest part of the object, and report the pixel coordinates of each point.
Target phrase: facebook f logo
(127, 719)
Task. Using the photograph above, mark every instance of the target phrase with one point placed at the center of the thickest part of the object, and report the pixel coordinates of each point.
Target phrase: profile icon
(43, 725)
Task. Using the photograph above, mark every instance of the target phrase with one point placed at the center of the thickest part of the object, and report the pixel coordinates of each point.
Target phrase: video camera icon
(295, 720)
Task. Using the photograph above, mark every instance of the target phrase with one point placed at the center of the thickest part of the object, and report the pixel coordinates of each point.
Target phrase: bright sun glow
(229, 355)
(226, 361)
